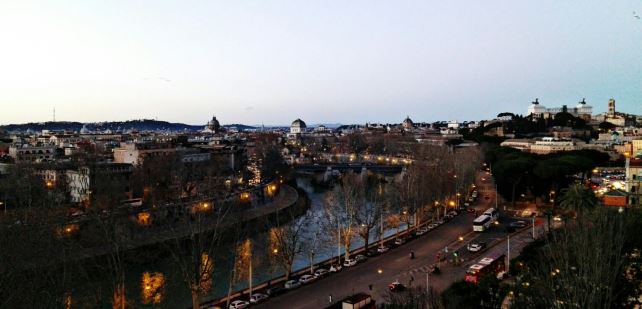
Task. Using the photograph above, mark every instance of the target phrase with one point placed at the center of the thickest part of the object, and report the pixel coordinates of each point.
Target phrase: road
(397, 265)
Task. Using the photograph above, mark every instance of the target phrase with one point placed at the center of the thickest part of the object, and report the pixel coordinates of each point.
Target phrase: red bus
(491, 264)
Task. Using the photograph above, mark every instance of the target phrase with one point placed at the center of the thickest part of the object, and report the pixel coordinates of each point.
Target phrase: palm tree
(548, 213)
(578, 198)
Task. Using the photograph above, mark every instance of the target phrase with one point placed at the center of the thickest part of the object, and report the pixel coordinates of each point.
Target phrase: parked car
(453, 213)
(400, 241)
(440, 221)
(275, 290)
(257, 298)
(335, 268)
(349, 262)
(471, 210)
(382, 249)
(396, 287)
(518, 224)
(321, 272)
(372, 252)
(432, 225)
(360, 258)
(292, 284)
(501, 275)
(422, 230)
(306, 279)
(476, 246)
(239, 304)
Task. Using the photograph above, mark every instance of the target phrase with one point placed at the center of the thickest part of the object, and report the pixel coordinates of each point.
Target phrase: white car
(557, 218)
(257, 298)
(432, 225)
(292, 284)
(440, 221)
(399, 241)
(307, 279)
(335, 268)
(383, 249)
(239, 304)
(474, 247)
(349, 262)
(422, 230)
(321, 272)
(453, 213)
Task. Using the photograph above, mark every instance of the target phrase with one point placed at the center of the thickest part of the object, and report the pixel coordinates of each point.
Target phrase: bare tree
(287, 239)
(369, 210)
(340, 205)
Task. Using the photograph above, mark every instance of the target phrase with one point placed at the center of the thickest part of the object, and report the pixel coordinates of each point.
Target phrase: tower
(611, 111)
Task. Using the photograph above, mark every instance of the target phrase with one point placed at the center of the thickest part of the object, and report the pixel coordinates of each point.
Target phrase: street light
(380, 271)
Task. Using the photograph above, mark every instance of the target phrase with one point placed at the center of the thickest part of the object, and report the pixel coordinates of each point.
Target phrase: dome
(299, 123)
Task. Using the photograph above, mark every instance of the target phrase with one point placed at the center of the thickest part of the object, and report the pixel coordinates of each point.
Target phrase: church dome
(299, 123)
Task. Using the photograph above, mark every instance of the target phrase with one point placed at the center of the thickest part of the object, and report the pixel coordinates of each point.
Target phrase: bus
(482, 223)
(492, 213)
(491, 264)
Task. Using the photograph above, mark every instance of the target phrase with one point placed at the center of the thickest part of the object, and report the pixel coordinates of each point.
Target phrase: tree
(510, 171)
(340, 205)
(578, 198)
(357, 143)
(579, 266)
(369, 209)
(286, 240)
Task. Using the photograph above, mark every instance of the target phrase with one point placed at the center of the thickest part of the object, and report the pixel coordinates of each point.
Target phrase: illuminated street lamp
(380, 271)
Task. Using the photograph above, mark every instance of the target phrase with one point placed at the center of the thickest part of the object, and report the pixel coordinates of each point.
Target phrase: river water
(160, 285)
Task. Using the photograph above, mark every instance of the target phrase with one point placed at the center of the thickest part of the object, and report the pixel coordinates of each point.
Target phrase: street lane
(394, 265)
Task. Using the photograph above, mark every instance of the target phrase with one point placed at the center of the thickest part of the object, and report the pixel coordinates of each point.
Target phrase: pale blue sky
(323, 61)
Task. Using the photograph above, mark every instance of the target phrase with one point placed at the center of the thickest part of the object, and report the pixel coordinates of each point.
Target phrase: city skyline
(334, 62)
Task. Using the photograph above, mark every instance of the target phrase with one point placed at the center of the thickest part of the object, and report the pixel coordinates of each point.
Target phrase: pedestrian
(370, 287)
(330, 298)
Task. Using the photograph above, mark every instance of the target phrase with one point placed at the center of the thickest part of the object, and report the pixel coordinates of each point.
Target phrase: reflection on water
(206, 269)
(119, 299)
(67, 301)
(152, 286)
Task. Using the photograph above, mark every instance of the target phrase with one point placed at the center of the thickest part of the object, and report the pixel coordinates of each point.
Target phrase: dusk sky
(271, 62)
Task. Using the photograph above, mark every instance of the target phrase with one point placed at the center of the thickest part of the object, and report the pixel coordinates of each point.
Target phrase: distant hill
(114, 126)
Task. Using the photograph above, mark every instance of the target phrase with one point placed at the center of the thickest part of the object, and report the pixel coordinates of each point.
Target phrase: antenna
(54, 114)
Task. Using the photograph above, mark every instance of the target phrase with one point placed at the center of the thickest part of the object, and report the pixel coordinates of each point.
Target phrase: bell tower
(611, 111)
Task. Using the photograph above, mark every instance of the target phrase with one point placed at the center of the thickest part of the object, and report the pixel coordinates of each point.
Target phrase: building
(213, 126)
(92, 179)
(407, 124)
(636, 148)
(521, 144)
(30, 153)
(581, 110)
(550, 145)
(633, 180)
(298, 127)
(616, 118)
(135, 153)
